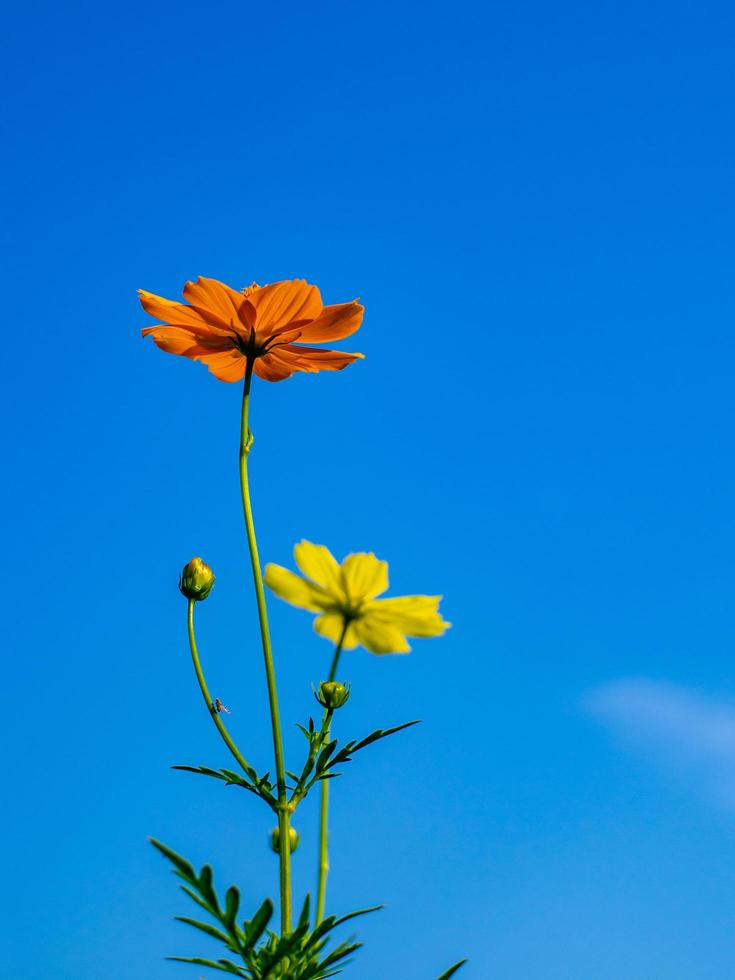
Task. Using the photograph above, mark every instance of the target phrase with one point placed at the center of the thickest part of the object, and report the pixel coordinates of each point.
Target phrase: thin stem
(284, 813)
(323, 866)
(216, 718)
(338, 650)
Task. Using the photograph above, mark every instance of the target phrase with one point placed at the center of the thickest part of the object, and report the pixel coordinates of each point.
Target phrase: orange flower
(221, 327)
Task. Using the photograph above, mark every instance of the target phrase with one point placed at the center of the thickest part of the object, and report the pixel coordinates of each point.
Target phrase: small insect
(219, 707)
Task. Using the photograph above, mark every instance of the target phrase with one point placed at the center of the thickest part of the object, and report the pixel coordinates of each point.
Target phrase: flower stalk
(214, 714)
(323, 863)
(283, 809)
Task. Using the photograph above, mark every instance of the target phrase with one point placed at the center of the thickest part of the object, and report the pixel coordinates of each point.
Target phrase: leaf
(198, 900)
(224, 966)
(339, 954)
(259, 785)
(235, 777)
(210, 930)
(255, 927)
(323, 757)
(232, 968)
(226, 775)
(375, 736)
(304, 917)
(354, 915)
(202, 770)
(452, 970)
(186, 869)
(206, 890)
(232, 904)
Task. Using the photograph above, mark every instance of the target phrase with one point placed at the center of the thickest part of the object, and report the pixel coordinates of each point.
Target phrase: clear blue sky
(535, 203)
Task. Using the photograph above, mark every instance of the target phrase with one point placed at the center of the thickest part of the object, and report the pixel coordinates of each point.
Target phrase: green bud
(332, 694)
(276, 839)
(196, 580)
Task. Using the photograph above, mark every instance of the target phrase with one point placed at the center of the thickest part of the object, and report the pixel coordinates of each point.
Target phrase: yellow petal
(292, 588)
(415, 615)
(378, 636)
(364, 575)
(319, 564)
(331, 625)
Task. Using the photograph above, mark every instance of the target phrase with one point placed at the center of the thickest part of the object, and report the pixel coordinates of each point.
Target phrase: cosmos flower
(347, 594)
(222, 327)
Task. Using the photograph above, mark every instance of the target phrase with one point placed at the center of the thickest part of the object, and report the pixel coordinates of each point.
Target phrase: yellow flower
(347, 593)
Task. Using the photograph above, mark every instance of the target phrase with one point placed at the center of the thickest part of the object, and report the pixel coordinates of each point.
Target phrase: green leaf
(200, 901)
(375, 736)
(187, 871)
(256, 926)
(224, 966)
(304, 917)
(205, 927)
(204, 884)
(452, 970)
(323, 757)
(235, 777)
(232, 904)
(232, 968)
(345, 949)
(354, 915)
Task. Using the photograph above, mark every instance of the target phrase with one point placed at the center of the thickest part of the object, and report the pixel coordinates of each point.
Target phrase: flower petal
(318, 359)
(292, 588)
(227, 365)
(174, 340)
(220, 303)
(334, 322)
(177, 314)
(319, 564)
(415, 615)
(364, 575)
(282, 303)
(379, 637)
(331, 626)
(271, 368)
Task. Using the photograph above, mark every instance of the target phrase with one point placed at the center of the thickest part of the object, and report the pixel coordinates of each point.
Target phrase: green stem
(284, 813)
(216, 718)
(323, 866)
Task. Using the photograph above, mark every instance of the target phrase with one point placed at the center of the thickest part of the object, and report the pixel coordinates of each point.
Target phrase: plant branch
(323, 865)
(284, 814)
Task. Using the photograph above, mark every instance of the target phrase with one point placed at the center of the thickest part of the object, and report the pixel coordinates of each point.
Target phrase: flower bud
(196, 580)
(293, 838)
(332, 694)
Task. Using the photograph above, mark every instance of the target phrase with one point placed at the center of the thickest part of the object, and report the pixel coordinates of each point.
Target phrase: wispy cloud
(689, 733)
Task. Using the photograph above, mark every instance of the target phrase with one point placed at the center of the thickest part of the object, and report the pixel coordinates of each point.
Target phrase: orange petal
(317, 359)
(227, 365)
(334, 322)
(292, 301)
(219, 302)
(174, 340)
(180, 340)
(175, 314)
(271, 368)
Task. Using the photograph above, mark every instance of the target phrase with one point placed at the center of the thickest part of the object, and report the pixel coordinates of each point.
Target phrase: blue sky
(535, 203)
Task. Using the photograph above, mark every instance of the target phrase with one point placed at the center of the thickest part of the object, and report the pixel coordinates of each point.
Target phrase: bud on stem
(332, 694)
(196, 580)
(275, 841)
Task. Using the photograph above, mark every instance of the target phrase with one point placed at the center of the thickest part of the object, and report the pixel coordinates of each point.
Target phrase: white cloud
(686, 732)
